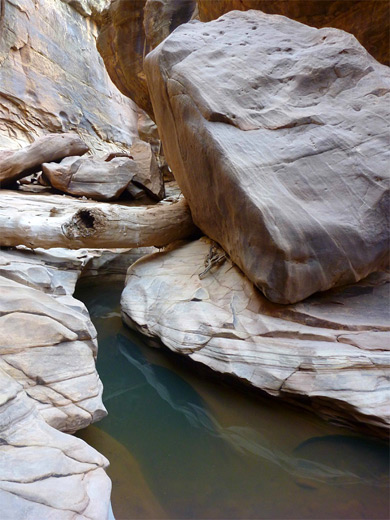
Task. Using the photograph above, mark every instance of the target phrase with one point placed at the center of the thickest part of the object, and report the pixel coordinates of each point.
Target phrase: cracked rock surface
(45, 474)
(47, 340)
(330, 352)
(277, 134)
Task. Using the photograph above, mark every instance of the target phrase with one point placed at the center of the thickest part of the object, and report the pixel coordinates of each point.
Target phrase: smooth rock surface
(15, 164)
(123, 44)
(46, 474)
(330, 352)
(368, 20)
(91, 177)
(277, 134)
(44, 89)
(47, 340)
(148, 175)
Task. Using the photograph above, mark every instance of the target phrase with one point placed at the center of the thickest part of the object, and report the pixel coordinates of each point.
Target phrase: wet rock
(15, 164)
(330, 353)
(45, 473)
(91, 177)
(276, 132)
(47, 340)
(368, 20)
(46, 90)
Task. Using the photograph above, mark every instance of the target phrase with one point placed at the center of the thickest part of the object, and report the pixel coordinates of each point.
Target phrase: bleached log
(15, 164)
(38, 220)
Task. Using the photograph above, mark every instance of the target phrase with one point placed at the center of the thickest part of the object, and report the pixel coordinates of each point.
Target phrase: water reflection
(203, 450)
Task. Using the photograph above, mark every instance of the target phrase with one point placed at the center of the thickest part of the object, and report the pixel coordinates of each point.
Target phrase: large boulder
(368, 20)
(277, 134)
(91, 177)
(331, 352)
(46, 474)
(47, 340)
(123, 44)
(44, 89)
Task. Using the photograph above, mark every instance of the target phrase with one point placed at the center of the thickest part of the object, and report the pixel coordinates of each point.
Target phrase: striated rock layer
(368, 20)
(277, 134)
(47, 340)
(44, 89)
(330, 352)
(46, 474)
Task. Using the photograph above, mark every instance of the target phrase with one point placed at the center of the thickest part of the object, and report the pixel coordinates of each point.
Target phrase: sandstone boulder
(368, 20)
(46, 90)
(15, 164)
(46, 474)
(330, 353)
(47, 340)
(277, 134)
(91, 177)
(148, 176)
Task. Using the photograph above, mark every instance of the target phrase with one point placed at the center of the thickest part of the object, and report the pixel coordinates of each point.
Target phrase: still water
(183, 445)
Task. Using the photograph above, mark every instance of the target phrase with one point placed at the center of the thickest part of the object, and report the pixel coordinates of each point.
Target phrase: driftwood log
(15, 164)
(37, 220)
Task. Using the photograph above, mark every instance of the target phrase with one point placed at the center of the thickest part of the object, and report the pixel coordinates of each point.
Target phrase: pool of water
(183, 445)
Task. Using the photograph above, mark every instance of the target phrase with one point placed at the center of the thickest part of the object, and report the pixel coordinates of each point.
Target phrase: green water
(184, 445)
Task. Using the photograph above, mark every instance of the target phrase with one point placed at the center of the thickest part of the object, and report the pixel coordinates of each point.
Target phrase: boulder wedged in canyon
(368, 20)
(123, 44)
(15, 164)
(52, 78)
(47, 340)
(277, 135)
(330, 352)
(91, 177)
(148, 176)
(46, 474)
(50, 221)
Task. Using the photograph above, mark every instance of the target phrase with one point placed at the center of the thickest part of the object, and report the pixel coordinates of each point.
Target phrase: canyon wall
(52, 78)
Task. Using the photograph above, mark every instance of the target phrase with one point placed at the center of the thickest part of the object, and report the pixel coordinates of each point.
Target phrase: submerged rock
(47, 340)
(330, 352)
(91, 177)
(277, 134)
(45, 473)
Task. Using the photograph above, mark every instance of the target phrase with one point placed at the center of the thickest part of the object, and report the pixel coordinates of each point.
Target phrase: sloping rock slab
(277, 134)
(48, 342)
(91, 177)
(46, 474)
(15, 164)
(330, 352)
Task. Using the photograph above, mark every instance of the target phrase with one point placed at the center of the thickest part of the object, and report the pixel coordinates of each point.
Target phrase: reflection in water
(204, 450)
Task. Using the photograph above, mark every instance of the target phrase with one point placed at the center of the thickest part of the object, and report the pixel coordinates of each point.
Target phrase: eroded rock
(15, 164)
(330, 352)
(45, 473)
(277, 135)
(368, 20)
(148, 176)
(47, 340)
(91, 177)
(123, 45)
(46, 90)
